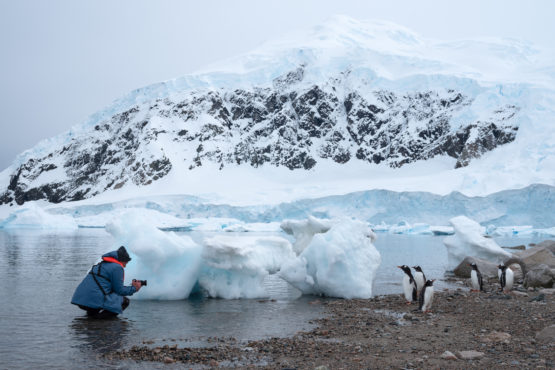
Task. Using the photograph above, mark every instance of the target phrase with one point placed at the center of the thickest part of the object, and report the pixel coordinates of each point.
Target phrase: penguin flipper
(414, 293)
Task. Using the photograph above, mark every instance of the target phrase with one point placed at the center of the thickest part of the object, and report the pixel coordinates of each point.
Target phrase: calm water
(40, 328)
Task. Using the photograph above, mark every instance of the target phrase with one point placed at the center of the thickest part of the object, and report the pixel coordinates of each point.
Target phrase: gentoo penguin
(427, 296)
(499, 273)
(506, 279)
(476, 278)
(409, 285)
(419, 279)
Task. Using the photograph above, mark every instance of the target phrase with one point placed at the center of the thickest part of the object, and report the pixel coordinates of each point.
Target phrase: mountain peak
(368, 93)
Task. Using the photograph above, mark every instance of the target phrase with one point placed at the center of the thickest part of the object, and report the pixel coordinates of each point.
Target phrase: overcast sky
(63, 60)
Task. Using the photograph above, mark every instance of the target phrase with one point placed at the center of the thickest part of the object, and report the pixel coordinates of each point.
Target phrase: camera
(143, 282)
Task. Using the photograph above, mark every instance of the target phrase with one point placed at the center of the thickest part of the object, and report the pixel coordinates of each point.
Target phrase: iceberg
(468, 240)
(341, 262)
(170, 262)
(236, 266)
(304, 230)
(34, 217)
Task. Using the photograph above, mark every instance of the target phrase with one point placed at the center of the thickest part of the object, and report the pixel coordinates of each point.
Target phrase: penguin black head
(502, 267)
(429, 282)
(473, 265)
(417, 268)
(406, 269)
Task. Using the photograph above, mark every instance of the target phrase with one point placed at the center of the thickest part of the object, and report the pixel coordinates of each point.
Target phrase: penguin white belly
(419, 279)
(428, 297)
(407, 288)
(474, 280)
(509, 279)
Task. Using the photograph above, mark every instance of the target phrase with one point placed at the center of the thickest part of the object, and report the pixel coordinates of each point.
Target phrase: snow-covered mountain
(366, 97)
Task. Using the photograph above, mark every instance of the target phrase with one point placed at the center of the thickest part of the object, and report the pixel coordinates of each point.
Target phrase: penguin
(409, 285)
(419, 279)
(499, 274)
(506, 279)
(427, 296)
(476, 278)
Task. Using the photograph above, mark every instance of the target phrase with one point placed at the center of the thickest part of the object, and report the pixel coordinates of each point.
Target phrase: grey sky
(63, 60)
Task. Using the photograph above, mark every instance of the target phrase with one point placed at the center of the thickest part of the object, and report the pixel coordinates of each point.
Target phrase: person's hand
(137, 284)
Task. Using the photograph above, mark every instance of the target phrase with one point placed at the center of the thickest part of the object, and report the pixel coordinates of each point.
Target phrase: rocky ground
(464, 330)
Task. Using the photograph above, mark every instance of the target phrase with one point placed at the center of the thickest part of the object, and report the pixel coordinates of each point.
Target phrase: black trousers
(99, 313)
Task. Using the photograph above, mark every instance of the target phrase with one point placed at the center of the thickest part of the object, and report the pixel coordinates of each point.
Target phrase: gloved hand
(137, 284)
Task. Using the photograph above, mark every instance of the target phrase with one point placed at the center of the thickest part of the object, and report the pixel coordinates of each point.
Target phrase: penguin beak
(399, 267)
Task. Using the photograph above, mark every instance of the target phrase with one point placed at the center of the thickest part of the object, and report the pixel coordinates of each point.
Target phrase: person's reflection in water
(100, 336)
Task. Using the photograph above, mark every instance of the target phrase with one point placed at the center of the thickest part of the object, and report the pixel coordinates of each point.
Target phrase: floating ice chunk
(404, 227)
(168, 261)
(381, 228)
(304, 230)
(339, 263)
(468, 240)
(34, 217)
(235, 266)
(255, 226)
(547, 232)
(442, 230)
(509, 230)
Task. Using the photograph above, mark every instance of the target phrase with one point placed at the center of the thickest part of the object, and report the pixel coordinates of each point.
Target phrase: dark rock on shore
(487, 269)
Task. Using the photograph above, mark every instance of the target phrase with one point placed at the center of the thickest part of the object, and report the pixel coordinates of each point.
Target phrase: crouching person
(102, 293)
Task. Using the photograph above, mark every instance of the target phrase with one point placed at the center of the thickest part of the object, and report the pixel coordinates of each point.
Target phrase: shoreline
(482, 330)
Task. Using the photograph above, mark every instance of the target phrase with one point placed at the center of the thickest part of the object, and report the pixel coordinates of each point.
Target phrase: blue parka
(89, 294)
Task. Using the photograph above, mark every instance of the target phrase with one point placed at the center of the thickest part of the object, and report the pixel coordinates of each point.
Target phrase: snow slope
(348, 77)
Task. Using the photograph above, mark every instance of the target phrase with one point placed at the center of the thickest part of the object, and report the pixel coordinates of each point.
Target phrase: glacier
(386, 211)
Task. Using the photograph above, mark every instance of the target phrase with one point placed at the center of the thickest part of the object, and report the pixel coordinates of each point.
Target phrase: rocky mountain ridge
(290, 123)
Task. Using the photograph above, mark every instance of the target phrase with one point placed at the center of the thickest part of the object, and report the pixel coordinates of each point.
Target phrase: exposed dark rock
(539, 276)
(289, 124)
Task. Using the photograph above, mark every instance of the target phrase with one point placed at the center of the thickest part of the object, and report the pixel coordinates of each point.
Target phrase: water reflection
(99, 336)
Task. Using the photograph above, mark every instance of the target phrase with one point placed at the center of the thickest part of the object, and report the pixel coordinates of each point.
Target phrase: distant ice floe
(341, 262)
(469, 240)
(404, 227)
(34, 217)
(518, 231)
